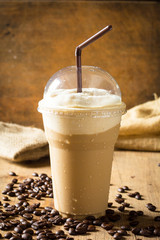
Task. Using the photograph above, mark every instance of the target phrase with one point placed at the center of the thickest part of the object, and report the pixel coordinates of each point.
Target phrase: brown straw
(79, 50)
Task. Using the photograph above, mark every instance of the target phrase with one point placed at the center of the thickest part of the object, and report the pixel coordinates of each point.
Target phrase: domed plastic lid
(92, 77)
(99, 91)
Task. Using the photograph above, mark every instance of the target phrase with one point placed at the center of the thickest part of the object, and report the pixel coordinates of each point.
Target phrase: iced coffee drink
(81, 129)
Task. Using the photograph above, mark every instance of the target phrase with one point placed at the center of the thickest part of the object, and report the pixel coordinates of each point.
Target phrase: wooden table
(138, 170)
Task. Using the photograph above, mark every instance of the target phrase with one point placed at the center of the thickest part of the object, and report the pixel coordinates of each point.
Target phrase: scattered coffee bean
(125, 187)
(146, 233)
(136, 230)
(109, 211)
(18, 229)
(119, 200)
(117, 236)
(27, 216)
(157, 219)
(111, 232)
(134, 223)
(72, 231)
(131, 195)
(125, 204)
(110, 204)
(5, 198)
(156, 232)
(12, 173)
(122, 232)
(138, 197)
(118, 195)
(140, 213)
(121, 208)
(35, 174)
(107, 226)
(125, 227)
(26, 236)
(8, 235)
(151, 207)
(121, 190)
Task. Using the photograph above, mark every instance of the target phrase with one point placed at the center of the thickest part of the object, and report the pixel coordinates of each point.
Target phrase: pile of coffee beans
(26, 220)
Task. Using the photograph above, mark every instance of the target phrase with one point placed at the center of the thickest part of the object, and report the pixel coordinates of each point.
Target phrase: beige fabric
(140, 127)
(19, 143)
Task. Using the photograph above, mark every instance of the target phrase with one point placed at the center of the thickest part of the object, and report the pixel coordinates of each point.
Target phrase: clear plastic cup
(81, 142)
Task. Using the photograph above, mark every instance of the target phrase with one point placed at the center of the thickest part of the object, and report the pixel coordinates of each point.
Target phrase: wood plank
(39, 38)
(138, 170)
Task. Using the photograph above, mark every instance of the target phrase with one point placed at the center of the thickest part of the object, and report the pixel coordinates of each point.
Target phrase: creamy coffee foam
(62, 101)
(88, 98)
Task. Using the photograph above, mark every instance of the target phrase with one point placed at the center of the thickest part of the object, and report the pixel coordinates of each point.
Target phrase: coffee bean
(37, 213)
(8, 235)
(29, 230)
(121, 208)
(132, 195)
(121, 190)
(11, 194)
(138, 197)
(97, 222)
(117, 236)
(14, 222)
(109, 211)
(134, 223)
(26, 236)
(140, 213)
(125, 204)
(111, 232)
(151, 228)
(122, 232)
(27, 216)
(151, 207)
(18, 229)
(5, 205)
(4, 192)
(133, 213)
(81, 228)
(125, 187)
(157, 219)
(110, 204)
(12, 173)
(72, 231)
(91, 228)
(136, 230)
(145, 232)
(125, 227)
(16, 238)
(5, 198)
(118, 195)
(119, 200)
(107, 226)
(35, 174)
(156, 232)
(14, 180)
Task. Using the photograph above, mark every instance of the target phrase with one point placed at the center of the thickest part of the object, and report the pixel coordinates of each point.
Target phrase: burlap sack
(140, 127)
(19, 143)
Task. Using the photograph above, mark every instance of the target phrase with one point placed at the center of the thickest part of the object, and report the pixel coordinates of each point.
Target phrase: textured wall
(37, 39)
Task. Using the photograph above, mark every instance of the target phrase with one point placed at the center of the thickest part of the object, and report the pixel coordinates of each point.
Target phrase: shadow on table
(43, 162)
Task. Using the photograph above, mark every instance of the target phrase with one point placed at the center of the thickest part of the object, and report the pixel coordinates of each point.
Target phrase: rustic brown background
(38, 38)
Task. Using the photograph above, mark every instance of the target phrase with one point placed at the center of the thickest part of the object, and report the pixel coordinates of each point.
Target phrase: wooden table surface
(138, 170)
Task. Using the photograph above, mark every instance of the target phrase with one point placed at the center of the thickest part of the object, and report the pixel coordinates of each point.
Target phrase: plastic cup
(81, 143)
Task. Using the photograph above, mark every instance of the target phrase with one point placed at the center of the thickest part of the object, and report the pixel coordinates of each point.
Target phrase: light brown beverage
(81, 159)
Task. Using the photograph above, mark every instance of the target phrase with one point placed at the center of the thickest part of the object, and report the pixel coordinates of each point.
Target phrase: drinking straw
(79, 50)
